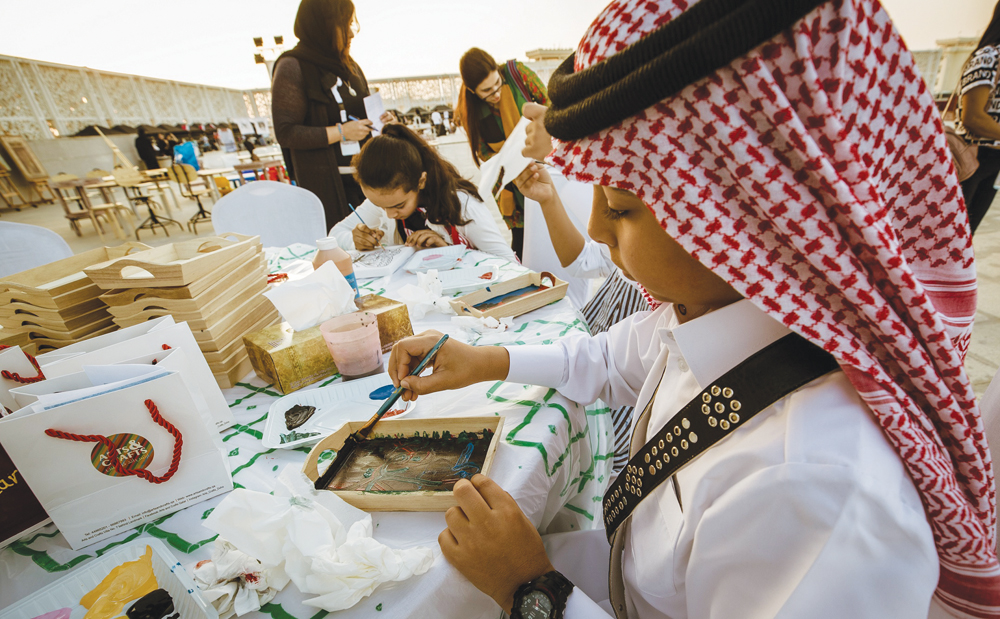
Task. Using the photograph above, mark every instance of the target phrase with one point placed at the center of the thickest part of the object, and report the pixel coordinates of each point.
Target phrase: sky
(211, 41)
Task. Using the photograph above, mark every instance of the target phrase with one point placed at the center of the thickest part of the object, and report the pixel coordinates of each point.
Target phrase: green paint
(241, 429)
(234, 453)
(379, 608)
(275, 468)
(251, 462)
(330, 380)
(207, 513)
(582, 512)
(552, 429)
(251, 407)
(255, 390)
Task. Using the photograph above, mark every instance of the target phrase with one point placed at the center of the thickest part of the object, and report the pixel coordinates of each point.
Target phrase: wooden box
(546, 294)
(393, 318)
(289, 360)
(174, 264)
(414, 501)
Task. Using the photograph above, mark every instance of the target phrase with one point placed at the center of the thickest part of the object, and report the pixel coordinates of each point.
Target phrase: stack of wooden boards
(57, 304)
(214, 284)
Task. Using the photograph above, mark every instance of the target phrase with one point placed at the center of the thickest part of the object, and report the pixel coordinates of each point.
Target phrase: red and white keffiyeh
(812, 174)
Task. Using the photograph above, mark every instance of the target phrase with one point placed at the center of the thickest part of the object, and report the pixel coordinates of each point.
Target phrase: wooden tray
(228, 380)
(12, 338)
(235, 324)
(225, 352)
(464, 305)
(17, 308)
(74, 335)
(250, 277)
(18, 320)
(199, 320)
(417, 501)
(174, 264)
(228, 271)
(66, 301)
(57, 278)
(47, 344)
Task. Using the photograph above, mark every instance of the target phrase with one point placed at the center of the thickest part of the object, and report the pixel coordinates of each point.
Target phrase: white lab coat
(804, 511)
(481, 232)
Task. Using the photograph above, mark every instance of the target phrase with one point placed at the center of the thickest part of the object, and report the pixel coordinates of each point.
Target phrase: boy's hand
(538, 145)
(456, 364)
(535, 183)
(491, 542)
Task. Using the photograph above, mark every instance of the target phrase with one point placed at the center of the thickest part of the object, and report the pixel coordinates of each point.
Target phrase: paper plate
(356, 400)
(440, 258)
(66, 592)
(467, 280)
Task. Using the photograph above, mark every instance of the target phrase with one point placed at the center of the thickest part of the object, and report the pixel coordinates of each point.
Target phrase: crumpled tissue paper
(322, 543)
(425, 297)
(235, 582)
(483, 324)
(313, 299)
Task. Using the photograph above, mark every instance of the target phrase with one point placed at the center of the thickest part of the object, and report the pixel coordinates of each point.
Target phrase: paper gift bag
(20, 511)
(15, 370)
(107, 459)
(143, 340)
(94, 376)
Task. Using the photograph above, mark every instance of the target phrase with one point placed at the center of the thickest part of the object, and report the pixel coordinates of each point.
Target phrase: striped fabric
(617, 298)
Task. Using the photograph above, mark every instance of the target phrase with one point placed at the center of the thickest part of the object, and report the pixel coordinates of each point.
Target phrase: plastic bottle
(328, 249)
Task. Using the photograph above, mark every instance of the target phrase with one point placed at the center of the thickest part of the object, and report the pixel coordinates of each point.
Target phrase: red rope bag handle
(17, 378)
(144, 474)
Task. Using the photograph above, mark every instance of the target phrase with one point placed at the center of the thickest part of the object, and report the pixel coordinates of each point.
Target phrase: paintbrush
(364, 224)
(356, 438)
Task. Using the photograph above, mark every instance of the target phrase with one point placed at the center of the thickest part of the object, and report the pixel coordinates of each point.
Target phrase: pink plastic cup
(354, 344)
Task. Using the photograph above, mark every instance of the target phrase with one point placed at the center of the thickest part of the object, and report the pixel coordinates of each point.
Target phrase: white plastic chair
(281, 214)
(24, 247)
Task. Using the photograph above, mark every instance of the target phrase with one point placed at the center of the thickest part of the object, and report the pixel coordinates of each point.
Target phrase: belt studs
(705, 409)
(720, 407)
(715, 390)
(727, 392)
(712, 422)
(724, 424)
(735, 405)
(733, 417)
(693, 437)
(685, 423)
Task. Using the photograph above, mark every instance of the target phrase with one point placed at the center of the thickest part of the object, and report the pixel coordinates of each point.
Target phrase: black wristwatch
(542, 598)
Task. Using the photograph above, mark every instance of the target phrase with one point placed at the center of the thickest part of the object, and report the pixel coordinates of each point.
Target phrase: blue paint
(381, 393)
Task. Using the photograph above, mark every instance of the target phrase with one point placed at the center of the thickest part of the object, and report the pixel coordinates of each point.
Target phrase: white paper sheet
(374, 108)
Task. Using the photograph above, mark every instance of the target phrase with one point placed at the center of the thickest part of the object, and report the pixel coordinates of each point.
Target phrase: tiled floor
(981, 363)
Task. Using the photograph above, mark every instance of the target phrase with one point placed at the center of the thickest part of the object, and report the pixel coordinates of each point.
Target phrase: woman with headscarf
(770, 172)
(317, 103)
(489, 107)
(979, 120)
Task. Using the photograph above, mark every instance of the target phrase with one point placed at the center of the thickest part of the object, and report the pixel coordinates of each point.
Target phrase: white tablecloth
(554, 459)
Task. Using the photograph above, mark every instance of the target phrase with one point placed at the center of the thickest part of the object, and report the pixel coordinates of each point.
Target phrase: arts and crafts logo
(132, 451)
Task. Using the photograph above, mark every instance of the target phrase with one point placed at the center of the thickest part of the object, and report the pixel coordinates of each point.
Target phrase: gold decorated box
(393, 318)
(291, 360)
(288, 359)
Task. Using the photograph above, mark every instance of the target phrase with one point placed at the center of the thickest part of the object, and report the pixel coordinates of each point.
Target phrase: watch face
(536, 605)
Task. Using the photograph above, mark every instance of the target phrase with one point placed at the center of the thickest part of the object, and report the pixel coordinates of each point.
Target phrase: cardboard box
(393, 318)
(292, 360)
(288, 359)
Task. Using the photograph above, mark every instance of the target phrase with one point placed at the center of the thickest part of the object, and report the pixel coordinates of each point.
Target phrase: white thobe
(804, 511)
(481, 232)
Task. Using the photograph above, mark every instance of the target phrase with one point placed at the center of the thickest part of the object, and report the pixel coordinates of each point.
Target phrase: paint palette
(466, 280)
(66, 593)
(440, 258)
(305, 417)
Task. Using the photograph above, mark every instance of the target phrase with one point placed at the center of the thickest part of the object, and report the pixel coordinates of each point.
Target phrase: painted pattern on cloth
(813, 175)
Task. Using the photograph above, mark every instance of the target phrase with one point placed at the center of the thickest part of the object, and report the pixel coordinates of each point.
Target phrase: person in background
(979, 120)
(147, 152)
(489, 107)
(416, 197)
(162, 146)
(436, 122)
(317, 103)
(736, 194)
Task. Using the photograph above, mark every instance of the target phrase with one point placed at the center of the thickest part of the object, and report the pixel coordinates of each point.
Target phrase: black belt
(755, 384)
